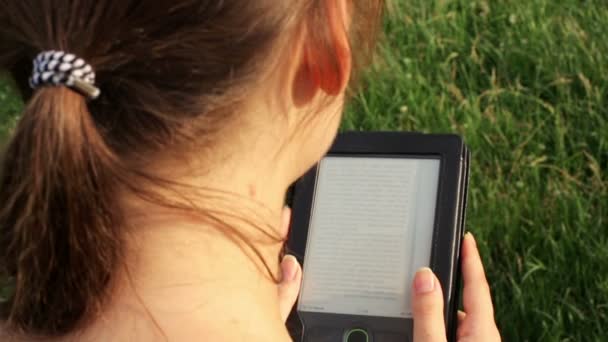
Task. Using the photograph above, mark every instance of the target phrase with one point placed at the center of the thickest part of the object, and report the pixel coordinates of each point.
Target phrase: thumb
(427, 305)
(290, 285)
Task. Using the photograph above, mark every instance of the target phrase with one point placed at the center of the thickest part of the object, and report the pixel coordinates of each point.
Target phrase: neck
(189, 276)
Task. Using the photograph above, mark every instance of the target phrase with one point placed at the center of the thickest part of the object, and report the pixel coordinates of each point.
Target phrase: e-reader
(375, 209)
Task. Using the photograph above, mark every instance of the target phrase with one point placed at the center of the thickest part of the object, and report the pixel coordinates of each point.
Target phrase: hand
(291, 274)
(476, 323)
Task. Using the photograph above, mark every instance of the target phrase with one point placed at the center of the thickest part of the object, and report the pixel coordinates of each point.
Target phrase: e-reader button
(356, 335)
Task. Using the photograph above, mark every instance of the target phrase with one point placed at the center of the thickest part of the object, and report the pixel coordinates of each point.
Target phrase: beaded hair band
(58, 68)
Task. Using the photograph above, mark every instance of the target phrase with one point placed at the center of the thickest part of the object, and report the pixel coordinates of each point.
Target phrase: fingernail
(424, 281)
(289, 267)
(470, 235)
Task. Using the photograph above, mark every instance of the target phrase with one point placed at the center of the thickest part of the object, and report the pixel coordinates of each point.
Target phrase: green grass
(10, 105)
(526, 83)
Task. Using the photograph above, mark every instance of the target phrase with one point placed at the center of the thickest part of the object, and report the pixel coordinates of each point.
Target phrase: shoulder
(5, 335)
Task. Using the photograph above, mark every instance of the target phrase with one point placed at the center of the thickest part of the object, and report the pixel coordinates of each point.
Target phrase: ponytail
(59, 241)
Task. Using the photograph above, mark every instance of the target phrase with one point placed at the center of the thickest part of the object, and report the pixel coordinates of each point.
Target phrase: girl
(142, 192)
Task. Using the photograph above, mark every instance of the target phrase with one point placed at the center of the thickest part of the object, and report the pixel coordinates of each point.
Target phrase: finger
(290, 285)
(477, 300)
(285, 219)
(464, 326)
(427, 305)
(461, 316)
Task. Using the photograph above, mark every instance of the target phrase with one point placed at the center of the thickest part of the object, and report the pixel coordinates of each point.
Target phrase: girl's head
(185, 85)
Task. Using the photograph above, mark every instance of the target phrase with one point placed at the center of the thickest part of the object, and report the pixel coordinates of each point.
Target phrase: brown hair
(170, 73)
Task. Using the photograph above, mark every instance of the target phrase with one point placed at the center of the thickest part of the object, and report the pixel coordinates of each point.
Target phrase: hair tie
(57, 68)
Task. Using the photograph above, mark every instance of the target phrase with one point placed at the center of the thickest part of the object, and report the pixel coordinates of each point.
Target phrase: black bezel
(448, 225)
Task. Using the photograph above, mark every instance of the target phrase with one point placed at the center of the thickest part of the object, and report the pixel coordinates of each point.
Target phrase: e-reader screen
(371, 228)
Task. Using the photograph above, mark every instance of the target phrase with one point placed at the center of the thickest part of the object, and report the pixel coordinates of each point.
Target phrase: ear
(326, 57)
